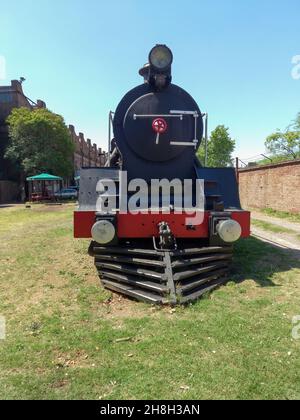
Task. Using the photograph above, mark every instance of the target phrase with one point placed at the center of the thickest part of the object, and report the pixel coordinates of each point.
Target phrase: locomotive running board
(162, 277)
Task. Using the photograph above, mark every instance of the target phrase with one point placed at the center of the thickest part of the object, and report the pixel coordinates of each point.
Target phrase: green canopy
(44, 177)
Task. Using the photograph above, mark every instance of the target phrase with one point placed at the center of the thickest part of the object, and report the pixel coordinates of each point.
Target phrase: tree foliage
(297, 122)
(285, 142)
(40, 141)
(220, 148)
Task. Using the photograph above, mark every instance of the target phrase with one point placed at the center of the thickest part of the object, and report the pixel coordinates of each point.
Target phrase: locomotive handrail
(110, 122)
(176, 114)
(193, 113)
(135, 116)
(184, 143)
(173, 114)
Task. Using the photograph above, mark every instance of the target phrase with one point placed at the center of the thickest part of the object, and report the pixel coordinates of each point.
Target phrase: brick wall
(86, 154)
(275, 186)
(11, 97)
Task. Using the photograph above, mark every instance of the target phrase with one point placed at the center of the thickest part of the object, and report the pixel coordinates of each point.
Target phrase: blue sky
(233, 56)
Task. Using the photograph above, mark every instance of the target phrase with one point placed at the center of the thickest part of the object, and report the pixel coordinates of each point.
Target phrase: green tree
(297, 122)
(40, 142)
(285, 142)
(220, 148)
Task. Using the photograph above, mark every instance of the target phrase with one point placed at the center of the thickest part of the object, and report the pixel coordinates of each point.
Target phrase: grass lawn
(67, 338)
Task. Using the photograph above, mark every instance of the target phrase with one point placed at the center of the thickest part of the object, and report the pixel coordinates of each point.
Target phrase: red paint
(244, 219)
(160, 125)
(145, 225)
(83, 223)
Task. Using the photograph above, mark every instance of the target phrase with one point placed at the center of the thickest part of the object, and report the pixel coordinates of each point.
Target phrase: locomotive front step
(162, 276)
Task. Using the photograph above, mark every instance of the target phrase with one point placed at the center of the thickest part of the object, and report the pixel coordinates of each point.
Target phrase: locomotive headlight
(229, 230)
(103, 232)
(161, 57)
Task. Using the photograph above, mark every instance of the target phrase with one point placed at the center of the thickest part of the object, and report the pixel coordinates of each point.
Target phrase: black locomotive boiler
(159, 253)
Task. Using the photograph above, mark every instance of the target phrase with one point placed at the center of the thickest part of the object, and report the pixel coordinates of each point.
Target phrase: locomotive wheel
(162, 277)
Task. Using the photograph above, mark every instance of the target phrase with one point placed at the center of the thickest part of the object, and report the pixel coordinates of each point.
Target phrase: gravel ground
(276, 221)
(287, 240)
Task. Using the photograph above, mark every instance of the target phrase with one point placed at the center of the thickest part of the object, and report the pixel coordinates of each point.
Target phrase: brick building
(86, 153)
(11, 97)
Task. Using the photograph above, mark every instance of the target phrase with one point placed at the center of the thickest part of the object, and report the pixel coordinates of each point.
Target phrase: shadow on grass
(259, 261)
(5, 206)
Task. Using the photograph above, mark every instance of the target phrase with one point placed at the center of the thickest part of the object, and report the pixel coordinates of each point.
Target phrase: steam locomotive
(159, 250)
